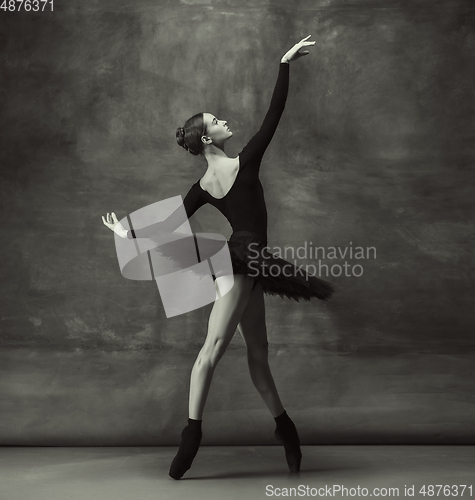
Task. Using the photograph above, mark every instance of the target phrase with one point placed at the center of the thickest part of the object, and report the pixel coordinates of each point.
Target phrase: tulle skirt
(205, 255)
(279, 277)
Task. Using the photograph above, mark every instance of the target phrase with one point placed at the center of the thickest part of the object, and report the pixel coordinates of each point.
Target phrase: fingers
(304, 41)
(108, 220)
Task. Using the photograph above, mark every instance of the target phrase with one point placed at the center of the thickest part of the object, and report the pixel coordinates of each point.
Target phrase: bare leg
(222, 325)
(253, 329)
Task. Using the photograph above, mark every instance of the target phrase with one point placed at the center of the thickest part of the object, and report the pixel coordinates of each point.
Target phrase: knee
(258, 351)
(212, 352)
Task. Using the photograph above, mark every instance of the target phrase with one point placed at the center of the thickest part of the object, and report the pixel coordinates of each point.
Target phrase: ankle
(282, 418)
(194, 421)
(194, 425)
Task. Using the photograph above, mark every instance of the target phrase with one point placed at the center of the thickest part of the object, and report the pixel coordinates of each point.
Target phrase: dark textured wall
(375, 149)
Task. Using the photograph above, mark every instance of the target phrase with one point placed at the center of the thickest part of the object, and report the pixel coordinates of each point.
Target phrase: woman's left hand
(114, 225)
(294, 53)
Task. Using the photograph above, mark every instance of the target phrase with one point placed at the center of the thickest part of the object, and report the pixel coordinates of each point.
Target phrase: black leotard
(243, 205)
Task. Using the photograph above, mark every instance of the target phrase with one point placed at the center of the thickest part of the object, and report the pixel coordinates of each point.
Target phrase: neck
(213, 151)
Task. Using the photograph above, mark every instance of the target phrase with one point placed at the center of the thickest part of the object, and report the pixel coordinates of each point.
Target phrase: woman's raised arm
(256, 147)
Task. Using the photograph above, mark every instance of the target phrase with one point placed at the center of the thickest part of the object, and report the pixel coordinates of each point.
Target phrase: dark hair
(189, 136)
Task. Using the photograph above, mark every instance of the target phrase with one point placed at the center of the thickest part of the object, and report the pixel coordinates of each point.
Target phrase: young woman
(232, 186)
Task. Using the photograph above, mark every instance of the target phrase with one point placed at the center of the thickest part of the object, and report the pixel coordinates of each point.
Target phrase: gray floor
(243, 472)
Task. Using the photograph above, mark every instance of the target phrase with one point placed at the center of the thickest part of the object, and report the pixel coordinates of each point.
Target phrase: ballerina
(232, 185)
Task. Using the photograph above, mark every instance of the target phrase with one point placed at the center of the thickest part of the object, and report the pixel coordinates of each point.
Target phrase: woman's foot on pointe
(286, 433)
(190, 443)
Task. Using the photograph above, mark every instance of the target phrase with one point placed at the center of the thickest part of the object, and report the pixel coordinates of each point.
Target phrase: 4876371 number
(26, 5)
(446, 490)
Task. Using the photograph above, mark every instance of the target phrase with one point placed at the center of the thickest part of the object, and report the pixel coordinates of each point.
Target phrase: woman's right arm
(256, 147)
(192, 202)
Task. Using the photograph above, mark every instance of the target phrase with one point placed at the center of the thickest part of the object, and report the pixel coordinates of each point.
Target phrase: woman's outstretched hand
(294, 53)
(114, 225)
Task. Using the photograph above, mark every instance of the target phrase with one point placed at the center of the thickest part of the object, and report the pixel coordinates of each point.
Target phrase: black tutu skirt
(277, 276)
(248, 254)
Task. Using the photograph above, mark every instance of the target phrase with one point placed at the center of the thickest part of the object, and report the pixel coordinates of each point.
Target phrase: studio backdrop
(369, 179)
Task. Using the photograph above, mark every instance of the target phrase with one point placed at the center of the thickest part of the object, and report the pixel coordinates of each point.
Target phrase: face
(217, 130)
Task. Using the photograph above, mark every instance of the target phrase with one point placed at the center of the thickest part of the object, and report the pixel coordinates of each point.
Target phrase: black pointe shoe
(290, 439)
(190, 443)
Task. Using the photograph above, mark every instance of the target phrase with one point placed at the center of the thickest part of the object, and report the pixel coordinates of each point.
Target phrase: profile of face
(217, 130)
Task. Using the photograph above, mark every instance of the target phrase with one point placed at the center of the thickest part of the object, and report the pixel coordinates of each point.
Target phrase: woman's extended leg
(252, 327)
(254, 331)
(222, 324)
(223, 320)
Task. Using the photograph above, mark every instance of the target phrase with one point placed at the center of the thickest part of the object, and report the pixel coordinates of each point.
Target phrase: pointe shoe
(293, 455)
(190, 443)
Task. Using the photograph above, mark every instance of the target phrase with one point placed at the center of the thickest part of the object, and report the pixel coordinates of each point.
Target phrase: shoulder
(221, 168)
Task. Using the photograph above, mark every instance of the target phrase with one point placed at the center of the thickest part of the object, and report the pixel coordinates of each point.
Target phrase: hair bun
(180, 137)
(189, 136)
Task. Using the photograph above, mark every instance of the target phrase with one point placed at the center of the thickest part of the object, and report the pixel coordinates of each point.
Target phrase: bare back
(220, 177)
